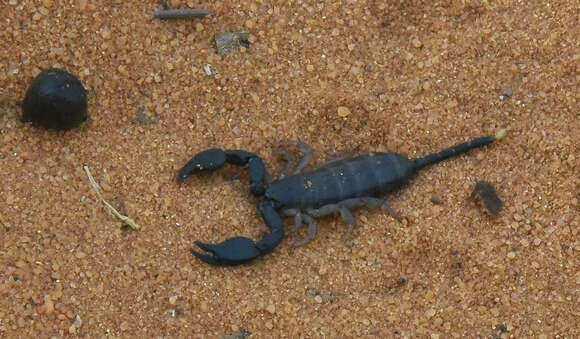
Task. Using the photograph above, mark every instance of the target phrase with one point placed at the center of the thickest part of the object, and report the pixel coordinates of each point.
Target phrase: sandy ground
(415, 77)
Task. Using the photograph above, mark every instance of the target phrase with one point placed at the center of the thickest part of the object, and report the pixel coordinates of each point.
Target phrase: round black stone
(56, 99)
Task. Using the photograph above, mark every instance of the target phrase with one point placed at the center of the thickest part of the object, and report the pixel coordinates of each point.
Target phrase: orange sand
(414, 76)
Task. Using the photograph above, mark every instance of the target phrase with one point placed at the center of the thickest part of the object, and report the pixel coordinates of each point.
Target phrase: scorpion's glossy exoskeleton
(335, 187)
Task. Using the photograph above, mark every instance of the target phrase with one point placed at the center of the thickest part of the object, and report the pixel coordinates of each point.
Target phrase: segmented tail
(457, 150)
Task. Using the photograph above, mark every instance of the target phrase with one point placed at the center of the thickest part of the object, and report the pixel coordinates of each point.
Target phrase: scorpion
(337, 186)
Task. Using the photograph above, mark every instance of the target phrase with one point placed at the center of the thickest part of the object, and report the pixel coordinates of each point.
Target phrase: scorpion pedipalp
(231, 252)
(208, 160)
(215, 158)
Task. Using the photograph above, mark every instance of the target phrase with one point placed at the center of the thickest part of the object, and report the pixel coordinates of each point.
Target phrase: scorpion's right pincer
(231, 252)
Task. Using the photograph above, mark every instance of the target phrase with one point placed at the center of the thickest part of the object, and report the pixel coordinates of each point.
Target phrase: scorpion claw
(231, 252)
(208, 160)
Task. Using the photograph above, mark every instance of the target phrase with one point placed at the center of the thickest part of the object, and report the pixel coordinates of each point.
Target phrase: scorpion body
(334, 187)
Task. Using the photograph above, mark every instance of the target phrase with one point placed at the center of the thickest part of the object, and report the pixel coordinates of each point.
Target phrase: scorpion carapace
(337, 186)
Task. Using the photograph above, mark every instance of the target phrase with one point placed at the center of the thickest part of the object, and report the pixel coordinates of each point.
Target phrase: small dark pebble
(326, 295)
(178, 312)
(435, 200)
(55, 99)
(230, 42)
(506, 93)
(489, 196)
(312, 291)
(145, 117)
(401, 281)
(241, 334)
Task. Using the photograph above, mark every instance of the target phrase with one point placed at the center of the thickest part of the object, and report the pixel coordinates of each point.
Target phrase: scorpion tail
(457, 150)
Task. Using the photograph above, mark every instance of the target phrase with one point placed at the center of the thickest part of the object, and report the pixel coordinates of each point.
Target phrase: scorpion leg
(373, 203)
(299, 219)
(290, 161)
(350, 221)
(307, 152)
(344, 208)
(240, 250)
(215, 158)
(310, 232)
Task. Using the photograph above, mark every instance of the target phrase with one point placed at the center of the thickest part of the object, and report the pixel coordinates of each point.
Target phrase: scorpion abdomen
(367, 175)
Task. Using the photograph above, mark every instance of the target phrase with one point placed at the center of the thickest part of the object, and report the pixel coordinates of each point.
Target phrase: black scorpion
(334, 187)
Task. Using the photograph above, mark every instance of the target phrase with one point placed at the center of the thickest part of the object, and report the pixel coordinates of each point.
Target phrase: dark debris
(489, 196)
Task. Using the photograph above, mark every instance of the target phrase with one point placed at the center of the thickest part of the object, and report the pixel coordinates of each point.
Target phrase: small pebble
(56, 99)
(417, 43)
(204, 307)
(124, 326)
(343, 112)
(48, 306)
(489, 196)
(230, 42)
(207, 69)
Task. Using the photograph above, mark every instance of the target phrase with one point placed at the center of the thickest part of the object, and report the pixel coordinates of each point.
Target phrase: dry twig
(99, 193)
(181, 13)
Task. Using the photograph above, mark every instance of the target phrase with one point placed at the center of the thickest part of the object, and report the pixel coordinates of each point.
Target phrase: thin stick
(181, 13)
(99, 193)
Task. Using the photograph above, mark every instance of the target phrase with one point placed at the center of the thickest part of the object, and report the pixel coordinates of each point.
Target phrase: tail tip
(500, 134)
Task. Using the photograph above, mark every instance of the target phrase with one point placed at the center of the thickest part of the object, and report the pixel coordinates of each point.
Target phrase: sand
(412, 77)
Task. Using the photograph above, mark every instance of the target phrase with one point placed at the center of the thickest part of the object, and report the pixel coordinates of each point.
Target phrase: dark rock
(55, 99)
(489, 196)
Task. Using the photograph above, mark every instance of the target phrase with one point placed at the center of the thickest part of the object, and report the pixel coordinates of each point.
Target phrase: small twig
(99, 193)
(181, 13)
